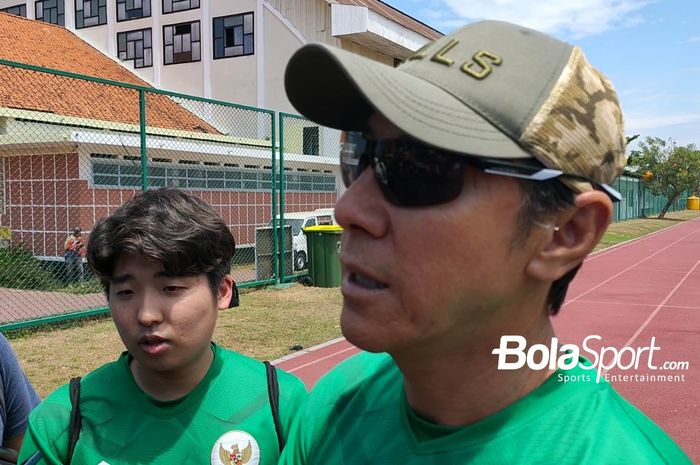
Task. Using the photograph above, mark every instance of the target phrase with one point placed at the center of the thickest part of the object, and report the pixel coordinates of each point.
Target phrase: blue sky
(650, 49)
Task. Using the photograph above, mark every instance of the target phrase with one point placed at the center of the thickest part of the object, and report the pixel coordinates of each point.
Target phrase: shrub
(20, 270)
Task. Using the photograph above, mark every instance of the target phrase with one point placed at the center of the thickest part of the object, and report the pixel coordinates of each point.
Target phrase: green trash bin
(323, 246)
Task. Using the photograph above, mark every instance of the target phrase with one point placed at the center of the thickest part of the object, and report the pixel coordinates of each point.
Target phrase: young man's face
(166, 322)
(446, 273)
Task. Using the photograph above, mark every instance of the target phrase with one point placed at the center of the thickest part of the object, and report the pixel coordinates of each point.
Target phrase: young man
(17, 399)
(174, 396)
(478, 179)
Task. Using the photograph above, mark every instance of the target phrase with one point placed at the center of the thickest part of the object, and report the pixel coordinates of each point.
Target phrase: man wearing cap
(74, 251)
(478, 179)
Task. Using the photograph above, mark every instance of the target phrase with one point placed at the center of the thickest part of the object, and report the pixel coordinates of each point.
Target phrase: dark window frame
(21, 12)
(102, 7)
(60, 16)
(150, 11)
(311, 139)
(199, 4)
(125, 174)
(144, 48)
(225, 31)
(198, 42)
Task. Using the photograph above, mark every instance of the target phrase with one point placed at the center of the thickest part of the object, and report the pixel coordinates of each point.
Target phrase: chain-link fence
(74, 148)
(309, 185)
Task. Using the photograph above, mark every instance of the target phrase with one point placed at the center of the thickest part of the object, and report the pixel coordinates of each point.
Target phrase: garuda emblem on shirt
(235, 456)
(235, 448)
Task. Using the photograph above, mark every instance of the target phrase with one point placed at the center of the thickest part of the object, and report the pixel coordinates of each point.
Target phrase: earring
(546, 226)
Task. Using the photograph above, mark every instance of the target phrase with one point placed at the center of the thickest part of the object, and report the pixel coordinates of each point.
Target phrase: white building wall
(311, 17)
(281, 42)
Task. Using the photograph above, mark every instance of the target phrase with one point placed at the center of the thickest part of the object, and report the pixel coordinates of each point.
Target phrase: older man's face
(432, 276)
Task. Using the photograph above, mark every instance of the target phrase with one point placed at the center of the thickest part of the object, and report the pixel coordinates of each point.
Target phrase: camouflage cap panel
(579, 128)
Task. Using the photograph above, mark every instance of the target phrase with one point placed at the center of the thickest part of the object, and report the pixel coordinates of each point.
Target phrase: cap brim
(339, 89)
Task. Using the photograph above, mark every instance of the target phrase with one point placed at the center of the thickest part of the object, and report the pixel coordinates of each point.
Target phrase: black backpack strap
(76, 419)
(274, 394)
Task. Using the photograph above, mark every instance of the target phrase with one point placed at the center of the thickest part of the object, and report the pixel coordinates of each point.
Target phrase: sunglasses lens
(408, 174)
(408, 179)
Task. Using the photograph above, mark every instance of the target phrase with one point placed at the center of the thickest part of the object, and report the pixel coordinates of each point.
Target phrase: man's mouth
(152, 344)
(366, 282)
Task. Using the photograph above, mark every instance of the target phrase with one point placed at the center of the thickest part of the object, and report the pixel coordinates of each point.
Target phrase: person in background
(73, 253)
(478, 179)
(174, 396)
(17, 399)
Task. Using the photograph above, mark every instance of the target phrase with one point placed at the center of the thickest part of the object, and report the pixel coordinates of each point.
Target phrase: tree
(666, 169)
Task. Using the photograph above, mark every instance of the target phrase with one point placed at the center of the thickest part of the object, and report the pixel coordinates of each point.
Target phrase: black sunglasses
(413, 174)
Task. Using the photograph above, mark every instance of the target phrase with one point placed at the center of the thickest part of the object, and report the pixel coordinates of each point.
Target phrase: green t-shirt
(226, 417)
(358, 415)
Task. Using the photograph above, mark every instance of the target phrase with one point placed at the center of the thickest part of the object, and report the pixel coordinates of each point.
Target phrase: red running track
(627, 294)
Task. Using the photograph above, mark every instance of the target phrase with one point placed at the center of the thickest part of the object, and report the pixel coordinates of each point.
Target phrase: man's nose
(363, 206)
(151, 310)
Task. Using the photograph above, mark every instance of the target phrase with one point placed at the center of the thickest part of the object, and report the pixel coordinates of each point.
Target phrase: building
(226, 50)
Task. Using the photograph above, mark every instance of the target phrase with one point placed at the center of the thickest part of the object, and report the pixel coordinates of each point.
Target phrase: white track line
(660, 306)
(629, 268)
(624, 245)
(321, 359)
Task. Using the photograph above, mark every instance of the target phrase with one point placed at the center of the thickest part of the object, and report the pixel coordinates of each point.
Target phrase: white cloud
(567, 18)
(637, 122)
(694, 39)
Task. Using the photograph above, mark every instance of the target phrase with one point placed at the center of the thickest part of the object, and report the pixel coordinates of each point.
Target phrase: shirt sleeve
(20, 397)
(46, 439)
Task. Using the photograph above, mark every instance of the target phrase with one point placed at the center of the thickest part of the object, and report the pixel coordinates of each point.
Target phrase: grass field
(265, 326)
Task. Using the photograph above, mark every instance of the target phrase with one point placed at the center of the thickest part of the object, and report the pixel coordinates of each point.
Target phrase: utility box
(264, 263)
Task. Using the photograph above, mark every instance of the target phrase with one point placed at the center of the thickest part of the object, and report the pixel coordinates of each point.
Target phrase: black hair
(168, 226)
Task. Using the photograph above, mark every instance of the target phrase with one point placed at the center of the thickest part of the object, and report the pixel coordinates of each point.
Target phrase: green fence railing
(638, 202)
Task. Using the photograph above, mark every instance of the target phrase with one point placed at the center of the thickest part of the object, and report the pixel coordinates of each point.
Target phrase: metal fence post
(275, 223)
(144, 150)
(282, 262)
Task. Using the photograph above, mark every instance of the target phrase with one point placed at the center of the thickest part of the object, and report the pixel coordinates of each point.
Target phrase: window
(233, 35)
(136, 46)
(90, 13)
(173, 6)
(181, 43)
(188, 174)
(302, 181)
(17, 10)
(50, 11)
(310, 140)
(133, 9)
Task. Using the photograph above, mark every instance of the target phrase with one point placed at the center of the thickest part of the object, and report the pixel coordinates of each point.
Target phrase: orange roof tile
(395, 15)
(46, 45)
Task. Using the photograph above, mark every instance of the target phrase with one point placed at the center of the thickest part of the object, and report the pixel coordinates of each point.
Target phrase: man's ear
(225, 292)
(578, 231)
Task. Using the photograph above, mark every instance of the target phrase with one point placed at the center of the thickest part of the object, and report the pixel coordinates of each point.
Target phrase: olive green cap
(490, 89)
